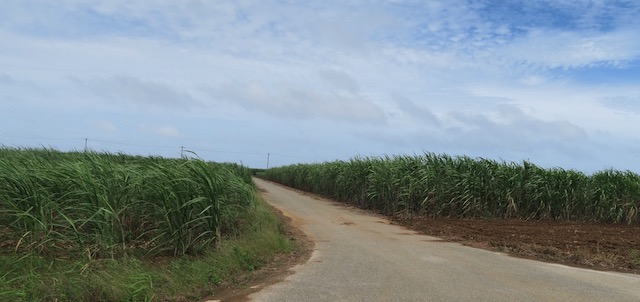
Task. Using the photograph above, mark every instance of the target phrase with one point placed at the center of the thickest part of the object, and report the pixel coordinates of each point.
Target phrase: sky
(277, 82)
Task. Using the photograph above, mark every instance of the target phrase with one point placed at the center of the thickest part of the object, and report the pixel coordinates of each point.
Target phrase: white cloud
(533, 80)
(567, 50)
(339, 80)
(409, 108)
(129, 90)
(5, 79)
(510, 128)
(104, 125)
(623, 104)
(287, 100)
(161, 130)
(478, 77)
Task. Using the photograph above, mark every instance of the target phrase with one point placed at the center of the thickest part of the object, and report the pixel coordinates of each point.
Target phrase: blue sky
(554, 82)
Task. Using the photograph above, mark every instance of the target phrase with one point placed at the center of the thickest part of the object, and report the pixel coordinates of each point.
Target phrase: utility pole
(268, 154)
(85, 144)
(181, 151)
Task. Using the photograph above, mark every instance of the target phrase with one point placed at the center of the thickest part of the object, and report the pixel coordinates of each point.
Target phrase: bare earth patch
(591, 245)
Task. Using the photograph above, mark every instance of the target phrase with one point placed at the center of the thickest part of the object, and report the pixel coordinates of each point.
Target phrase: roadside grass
(258, 238)
(634, 254)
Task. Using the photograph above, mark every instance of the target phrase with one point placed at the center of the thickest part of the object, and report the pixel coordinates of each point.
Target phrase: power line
(228, 152)
(41, 138)
(87, 145)
(132, 145)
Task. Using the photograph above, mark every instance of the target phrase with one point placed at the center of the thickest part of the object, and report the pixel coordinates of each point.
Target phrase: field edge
(264, 239)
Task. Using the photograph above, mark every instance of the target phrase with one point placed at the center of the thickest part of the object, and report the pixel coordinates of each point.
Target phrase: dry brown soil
(609, 247)
(591, 245)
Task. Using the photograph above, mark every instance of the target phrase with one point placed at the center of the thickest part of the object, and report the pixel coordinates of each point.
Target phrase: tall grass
(111, 205)
(464, 187)
(35, 278)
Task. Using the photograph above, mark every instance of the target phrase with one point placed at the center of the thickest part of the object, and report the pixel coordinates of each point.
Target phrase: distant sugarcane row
(111, 205)
(463, 187)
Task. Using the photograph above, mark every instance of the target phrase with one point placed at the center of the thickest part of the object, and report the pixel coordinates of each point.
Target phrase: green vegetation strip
(112, 227)
(463, 187)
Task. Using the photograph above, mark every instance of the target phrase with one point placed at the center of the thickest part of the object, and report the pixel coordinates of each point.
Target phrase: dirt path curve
(359, 257)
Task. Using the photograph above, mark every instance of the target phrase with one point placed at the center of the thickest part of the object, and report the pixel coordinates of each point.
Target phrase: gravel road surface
(361, 257)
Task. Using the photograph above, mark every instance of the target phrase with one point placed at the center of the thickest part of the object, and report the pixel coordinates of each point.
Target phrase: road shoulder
(274, 272)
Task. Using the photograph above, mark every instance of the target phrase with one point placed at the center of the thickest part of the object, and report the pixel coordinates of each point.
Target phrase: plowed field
(596, 246)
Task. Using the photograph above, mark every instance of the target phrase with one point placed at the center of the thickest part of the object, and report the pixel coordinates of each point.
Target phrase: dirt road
(359, 257)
